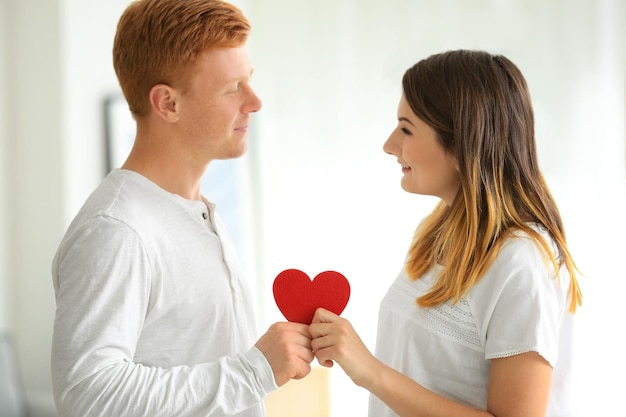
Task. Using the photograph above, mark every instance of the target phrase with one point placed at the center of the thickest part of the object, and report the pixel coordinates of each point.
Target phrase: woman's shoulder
(521, 264)
(526, 247)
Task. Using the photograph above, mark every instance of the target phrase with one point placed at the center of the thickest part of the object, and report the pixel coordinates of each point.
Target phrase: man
(154, 317)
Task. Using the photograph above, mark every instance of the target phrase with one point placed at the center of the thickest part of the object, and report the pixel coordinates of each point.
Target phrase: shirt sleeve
(101, 277)
(523, 303)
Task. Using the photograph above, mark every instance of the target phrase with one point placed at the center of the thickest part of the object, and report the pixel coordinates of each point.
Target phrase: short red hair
(158, 41)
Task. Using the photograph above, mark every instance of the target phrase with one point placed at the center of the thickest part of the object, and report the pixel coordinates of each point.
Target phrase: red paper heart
(297, 297)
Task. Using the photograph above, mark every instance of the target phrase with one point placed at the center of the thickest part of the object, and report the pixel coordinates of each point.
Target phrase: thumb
(324, 316)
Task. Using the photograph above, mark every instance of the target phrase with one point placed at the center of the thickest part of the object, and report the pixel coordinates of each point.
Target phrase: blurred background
(315, 191)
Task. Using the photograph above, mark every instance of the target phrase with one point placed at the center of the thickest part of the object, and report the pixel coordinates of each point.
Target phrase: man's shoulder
(120, 197)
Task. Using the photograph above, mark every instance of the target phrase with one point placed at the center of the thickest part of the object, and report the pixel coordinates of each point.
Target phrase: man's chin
(234, 152)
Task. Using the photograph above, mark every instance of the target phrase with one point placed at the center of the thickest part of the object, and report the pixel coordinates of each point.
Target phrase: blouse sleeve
(521, 302)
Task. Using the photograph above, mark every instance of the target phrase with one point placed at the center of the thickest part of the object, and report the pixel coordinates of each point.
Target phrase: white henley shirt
(154, 317)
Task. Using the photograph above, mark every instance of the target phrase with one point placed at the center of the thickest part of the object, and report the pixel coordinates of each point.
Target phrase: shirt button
(204, 216)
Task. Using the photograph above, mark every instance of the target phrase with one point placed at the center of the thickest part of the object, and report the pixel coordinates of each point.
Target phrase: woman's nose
(389, 145)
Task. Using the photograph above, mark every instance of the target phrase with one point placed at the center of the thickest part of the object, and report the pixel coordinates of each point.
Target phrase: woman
(479, 320)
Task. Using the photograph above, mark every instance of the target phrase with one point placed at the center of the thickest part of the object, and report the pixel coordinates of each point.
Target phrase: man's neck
(174, 175)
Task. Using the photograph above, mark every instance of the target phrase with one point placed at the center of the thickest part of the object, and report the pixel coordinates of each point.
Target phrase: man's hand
(287, 347)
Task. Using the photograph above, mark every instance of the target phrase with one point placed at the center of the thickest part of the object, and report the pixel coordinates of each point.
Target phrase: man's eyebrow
(404, 119)
(243, 77)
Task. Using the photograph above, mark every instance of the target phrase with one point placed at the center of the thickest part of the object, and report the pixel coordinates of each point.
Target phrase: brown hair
(480, 108)
(158, 41)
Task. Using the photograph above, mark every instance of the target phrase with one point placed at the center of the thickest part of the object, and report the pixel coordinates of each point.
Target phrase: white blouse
(518, 306)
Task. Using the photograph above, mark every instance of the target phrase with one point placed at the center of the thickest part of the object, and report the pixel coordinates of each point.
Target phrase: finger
(318, 330)
(324, 316)
(300, 338)
(292, 332)
(320, 343)
(326, 364)
(299, 328)
(306, 354)
(302, 366)
(323, 359)
(302, 371)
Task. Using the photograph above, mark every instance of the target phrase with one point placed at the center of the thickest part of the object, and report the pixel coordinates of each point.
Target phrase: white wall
(87, 35)
(4, 171)
(329, 74)
(31, 177)
(324, 193)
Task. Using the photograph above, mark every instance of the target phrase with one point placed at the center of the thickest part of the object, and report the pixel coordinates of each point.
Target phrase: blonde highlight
(480, 107)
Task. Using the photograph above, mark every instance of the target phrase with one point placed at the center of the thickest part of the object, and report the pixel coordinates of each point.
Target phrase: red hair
(158, 41)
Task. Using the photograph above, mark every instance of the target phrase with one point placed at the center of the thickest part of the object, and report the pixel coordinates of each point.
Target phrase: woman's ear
(163, 101)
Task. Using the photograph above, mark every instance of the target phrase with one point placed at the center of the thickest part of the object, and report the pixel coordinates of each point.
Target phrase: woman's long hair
(480, 107)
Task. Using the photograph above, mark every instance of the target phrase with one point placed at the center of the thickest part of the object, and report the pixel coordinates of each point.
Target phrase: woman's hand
(519, 385)
(334, 339)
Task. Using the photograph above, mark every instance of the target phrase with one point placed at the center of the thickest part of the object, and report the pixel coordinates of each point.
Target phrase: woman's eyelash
(405, 130)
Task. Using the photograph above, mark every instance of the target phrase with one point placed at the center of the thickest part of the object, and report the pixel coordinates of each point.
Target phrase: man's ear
(163, 101)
